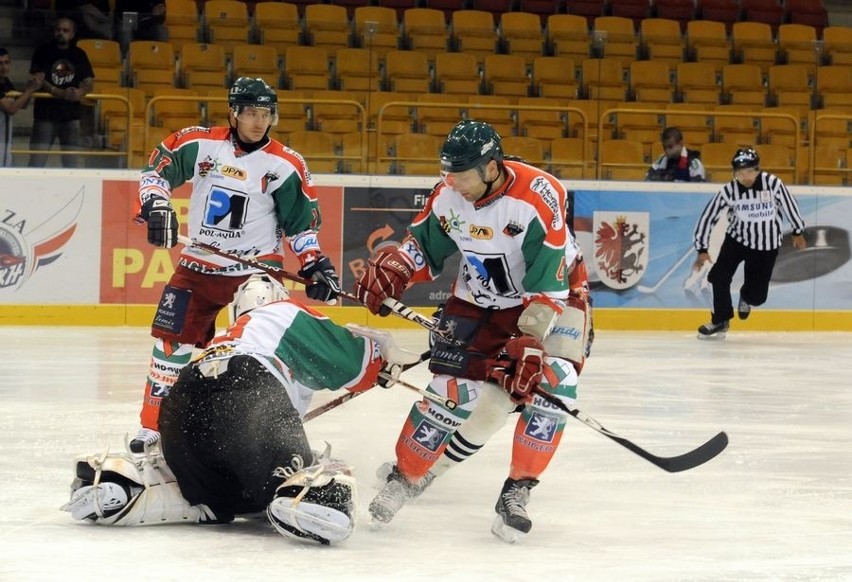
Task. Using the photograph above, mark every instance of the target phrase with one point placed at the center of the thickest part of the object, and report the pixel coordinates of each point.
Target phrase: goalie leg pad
(315, 504)
(151, 494)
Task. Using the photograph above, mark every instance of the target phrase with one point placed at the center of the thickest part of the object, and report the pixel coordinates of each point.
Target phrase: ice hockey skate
(713, 330)
(385, 469)
(512, 521)
(101, 500)
(390, 499)
(143, 440)
(743, 309)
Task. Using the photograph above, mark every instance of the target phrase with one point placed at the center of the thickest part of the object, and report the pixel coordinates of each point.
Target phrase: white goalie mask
(256, 292)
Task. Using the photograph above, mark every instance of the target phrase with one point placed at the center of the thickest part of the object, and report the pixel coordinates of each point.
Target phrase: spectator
(678, 163)
(66, 73)
(94, 19)
(148, 24)
(9, 106)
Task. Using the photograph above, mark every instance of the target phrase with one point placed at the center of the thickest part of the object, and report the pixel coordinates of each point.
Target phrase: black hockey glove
(324, 284)
(162, 222)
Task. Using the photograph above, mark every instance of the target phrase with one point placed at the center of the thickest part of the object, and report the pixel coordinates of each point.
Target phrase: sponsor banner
(134, 272)
(49, 240)
(640, 253)
(376, 219)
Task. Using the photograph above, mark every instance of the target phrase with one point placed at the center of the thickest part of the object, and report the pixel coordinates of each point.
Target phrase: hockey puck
(827, 250)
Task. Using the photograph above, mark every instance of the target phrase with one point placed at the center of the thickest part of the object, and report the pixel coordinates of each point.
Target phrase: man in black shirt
(754, 202)
(9, 106)
(67, 75)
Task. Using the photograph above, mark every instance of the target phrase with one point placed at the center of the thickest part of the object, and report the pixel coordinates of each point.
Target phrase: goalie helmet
(257, 291)
(470, 144)
(252, 92)
(745, 158)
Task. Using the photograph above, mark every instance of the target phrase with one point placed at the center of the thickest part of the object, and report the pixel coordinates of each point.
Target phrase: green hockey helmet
(254, 92)
(470, 144)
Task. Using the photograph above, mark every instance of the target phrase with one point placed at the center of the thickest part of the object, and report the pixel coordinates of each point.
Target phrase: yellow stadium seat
(837, 44)
(341, 116)
(604, 79)
(753, 43)
(105, 58)
(782, 130)
(408, 71)
(395, 119)
(544, 123)
(152, 65)
(256, 60)
(789, 86)
(474, 33)
(317, 147)
(716, 159)
(183, 22)
(568, 36)
(522, 35)
(834, 85)
(277, 24)
(797, 45)
(425, 30)
(694, 120)
(530, 149)
(174, 114)
(741, 129)
(203, 66)
(307, 67)
(651, 81)
(570, 158)
(377, 29)
(358, 69)
(484, 108)
(778, 159)
(742, 84)
(697, 83)
(327, 26)
(662, 41)
(622, 159)
(457, 73)
(441, 119)
(619, 36)
(227, 23)
(707, 42)
(555, 77)
(417, 154)
(506, 75)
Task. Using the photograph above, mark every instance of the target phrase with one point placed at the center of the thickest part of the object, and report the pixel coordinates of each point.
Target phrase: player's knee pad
(127, 490)
(316, 503)
(570, 338)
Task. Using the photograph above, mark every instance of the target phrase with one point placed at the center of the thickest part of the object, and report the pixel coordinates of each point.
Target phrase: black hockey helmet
(470, 144)
(255, 92)
(745, 158)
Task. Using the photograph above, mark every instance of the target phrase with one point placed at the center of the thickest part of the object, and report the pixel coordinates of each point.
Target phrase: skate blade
(715, 337)
(508, 534)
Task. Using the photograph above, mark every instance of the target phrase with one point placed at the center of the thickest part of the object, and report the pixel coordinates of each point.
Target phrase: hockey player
(247, 191)
(507, 220)
(232, 438)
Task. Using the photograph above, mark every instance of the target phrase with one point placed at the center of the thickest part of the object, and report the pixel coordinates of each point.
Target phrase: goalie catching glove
(162, 222)
(388, 274)
(323, 284)
(519, 369)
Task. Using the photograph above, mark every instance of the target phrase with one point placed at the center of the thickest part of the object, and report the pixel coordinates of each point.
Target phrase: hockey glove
(519, 370)
(323, 282)
(162, 222)
(387, 276)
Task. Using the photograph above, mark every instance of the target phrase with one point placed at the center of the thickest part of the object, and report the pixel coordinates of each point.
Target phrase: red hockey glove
(520, 369)
(387, 276)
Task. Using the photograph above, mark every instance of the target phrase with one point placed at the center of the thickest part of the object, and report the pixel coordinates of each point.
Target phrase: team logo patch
(233, 172)
(621, 247)
(171, 311)
(206, 166)
(481, 232)
(547, 192)
(429, 436)
(28, 243)
(541, 427)
(513, 229)
(225, 210)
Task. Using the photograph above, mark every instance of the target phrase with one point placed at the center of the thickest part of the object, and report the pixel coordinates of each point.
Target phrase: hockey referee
(753, 201)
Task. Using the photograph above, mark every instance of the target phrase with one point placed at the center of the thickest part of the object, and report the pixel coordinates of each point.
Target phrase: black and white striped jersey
(754, 213)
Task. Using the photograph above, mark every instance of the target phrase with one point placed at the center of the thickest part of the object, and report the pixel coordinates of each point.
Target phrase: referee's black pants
(757, 273)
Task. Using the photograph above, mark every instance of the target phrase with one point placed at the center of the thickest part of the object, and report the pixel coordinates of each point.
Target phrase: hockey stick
(396, 307)
(344, 398)
(448, 403)
(683, 462)
(666, 275)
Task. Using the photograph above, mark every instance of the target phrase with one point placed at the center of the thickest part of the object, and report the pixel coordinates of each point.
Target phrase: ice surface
(776, 505)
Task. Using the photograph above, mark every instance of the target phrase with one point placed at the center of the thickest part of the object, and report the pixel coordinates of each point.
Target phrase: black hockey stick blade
(684, 462)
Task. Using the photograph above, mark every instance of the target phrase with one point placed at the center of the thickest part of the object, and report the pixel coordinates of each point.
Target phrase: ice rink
(776, 505)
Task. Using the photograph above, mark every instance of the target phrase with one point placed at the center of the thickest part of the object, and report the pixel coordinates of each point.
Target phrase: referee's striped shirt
(754, 213)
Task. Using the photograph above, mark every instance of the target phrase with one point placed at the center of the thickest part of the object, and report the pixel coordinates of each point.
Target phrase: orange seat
(227, 23)
(474, 33)
(425, 30)
(277, 24)
(522, 35)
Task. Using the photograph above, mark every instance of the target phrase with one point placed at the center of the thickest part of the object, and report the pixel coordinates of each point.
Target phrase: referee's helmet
(745, 158)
